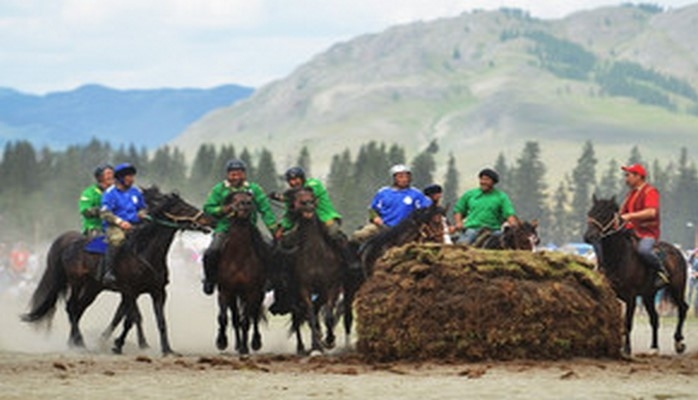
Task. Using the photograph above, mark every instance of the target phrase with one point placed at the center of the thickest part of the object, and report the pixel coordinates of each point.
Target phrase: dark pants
(645, 248)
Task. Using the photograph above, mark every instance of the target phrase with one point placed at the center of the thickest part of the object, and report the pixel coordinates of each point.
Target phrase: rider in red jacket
(640, 212)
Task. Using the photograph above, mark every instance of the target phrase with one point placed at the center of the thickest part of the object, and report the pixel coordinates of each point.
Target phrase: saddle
(97, 245)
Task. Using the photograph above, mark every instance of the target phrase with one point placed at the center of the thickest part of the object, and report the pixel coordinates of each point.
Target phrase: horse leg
(677, 296)
(244, 329)
(142, 342)
(76, 306)
(129, 305)
(222, 339)
(235, 311)
(118, 316)
(330, 321)
(629, 314)
(159, 298)
(297, 321)
(255, 310)
(648, 301)
(348, 317)
(312, 316)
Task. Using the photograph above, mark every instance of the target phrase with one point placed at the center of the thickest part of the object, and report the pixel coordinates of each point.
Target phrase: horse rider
(485, 207)
(235, 181)
(435, 193)
(90, 202)
(392, 204)
(123, 207)
(640, 212)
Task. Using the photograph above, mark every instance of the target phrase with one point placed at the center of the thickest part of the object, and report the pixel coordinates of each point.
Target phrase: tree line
(39, 188)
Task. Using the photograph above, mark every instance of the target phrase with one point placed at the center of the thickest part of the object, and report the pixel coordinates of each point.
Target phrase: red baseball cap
(635, 169)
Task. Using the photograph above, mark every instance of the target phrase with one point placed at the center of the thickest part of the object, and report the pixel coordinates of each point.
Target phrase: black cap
(433, 189)
(99, 170)
(490, 173)
(295, 172)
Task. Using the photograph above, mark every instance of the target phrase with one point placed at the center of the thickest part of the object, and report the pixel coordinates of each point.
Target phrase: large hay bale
(452, 302)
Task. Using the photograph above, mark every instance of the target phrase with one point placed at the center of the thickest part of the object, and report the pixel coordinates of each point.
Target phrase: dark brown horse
(521, 236)
(317, 271)
(241, 276)
(629, 276)
(422, 225)
(140, 268)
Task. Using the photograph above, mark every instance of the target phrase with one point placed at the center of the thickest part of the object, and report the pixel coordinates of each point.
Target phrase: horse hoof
(116, 350)
(680, 347)
(654, 352)
(256, 343)
(170, 353)
(222, 343)
(316, 353)
(143, 346)
(244, 352)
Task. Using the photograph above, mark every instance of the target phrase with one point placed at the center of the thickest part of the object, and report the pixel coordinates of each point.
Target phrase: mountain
(147, 118)
(484, 83)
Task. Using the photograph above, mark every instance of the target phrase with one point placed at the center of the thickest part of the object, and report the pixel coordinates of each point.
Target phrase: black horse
(422, 225)
(520, 236)
(317, 271)
(141, 267)
(629, 276)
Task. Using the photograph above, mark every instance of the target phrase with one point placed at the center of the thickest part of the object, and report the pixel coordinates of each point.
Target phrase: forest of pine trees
(39, 188)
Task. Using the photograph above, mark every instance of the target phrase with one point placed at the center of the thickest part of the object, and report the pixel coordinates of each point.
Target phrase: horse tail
(53, 284)
(675, 264)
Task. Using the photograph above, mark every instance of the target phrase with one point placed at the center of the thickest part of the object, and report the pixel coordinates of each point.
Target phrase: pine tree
(679, 227)
(609, 185)
(201, 177)
(528, 185)
(505, 173)
(267, 176)
(635, 156)
(225, 154)
(560, 224)
(246, 157)
(343, 192)
(396, 155)
(304, 160)
(451, 182)
(583, 181)
(423, 166)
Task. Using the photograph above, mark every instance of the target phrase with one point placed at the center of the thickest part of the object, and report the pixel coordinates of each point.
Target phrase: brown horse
(141, 267)
(242, 274)
(629, 276)
(317, 271)
(520, 236)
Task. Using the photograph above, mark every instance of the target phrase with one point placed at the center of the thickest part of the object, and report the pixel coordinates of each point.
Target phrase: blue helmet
(235, 165)
(122, 170)
(295, 172)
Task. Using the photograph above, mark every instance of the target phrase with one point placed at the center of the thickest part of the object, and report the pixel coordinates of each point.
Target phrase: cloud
(58, 44)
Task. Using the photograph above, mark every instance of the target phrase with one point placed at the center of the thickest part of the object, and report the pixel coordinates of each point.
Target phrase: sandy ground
(36, 364)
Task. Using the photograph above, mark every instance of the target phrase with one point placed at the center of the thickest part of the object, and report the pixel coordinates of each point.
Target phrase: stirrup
(661, 279)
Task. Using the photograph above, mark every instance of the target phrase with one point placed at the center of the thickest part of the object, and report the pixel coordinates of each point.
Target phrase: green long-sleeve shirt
(324, 208)
(484, 210)
(89, 204)
(214, 204)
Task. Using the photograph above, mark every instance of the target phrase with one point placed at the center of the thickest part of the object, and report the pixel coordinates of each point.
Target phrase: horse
(241, 276)
(629, 276)
(520, 236)
(317, 271)
(421, 225)
(140, 267)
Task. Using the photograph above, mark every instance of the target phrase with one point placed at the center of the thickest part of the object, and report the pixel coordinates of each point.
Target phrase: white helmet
(396, 169)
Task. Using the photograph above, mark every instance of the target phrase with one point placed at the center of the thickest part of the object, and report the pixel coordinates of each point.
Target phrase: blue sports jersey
(393, 204)
(124, 204)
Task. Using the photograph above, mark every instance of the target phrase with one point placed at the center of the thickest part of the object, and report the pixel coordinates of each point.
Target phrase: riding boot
(107, 271)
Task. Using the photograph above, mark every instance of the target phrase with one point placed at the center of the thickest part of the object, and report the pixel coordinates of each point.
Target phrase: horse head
(522, 236)
(171, 208)
(430, 222)
(602, 220)
(301, 202)
(241, 204)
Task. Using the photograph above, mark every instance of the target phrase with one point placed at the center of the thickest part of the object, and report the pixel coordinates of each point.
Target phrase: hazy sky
(48, 45)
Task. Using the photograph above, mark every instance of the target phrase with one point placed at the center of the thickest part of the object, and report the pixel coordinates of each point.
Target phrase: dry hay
(452, 302)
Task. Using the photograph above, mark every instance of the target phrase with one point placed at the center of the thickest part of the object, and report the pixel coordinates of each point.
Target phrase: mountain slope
(145, 117)
(481, 84)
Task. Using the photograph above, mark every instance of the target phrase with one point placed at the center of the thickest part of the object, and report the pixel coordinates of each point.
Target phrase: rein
(613, 226)
(175, 221)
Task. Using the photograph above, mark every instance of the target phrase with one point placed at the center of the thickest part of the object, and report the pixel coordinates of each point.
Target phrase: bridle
(178, 219)
(615, 225)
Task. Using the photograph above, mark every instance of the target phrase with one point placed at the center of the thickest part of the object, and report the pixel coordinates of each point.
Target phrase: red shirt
(642, 198)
